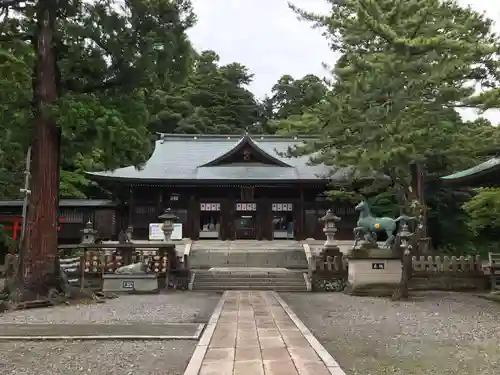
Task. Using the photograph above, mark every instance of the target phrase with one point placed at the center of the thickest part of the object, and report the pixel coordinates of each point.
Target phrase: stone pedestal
(138, 283)
(373, 272)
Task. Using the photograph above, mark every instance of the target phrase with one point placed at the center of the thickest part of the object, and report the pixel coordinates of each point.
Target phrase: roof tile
(178, 158)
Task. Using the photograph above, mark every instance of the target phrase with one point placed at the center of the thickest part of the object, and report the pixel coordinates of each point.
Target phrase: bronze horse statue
(368, 224)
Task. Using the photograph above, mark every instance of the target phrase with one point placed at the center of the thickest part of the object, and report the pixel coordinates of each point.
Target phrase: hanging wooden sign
(280, 207)
(246, 207)
(209, 206)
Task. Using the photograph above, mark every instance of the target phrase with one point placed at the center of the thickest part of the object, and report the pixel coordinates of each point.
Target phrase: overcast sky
(266, 36)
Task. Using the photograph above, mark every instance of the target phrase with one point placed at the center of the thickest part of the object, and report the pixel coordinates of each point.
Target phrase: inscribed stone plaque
(128, 284)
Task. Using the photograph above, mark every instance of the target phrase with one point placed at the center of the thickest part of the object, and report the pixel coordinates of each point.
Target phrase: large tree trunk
(40, 244)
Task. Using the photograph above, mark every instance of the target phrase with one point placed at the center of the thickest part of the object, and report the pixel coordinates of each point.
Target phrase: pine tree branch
(419, 25)
(11, 3)
(25, 37)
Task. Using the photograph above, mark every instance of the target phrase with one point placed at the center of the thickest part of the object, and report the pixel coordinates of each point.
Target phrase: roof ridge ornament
(241, 146)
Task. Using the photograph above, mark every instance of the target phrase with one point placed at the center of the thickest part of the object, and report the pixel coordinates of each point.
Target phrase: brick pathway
(254, 335)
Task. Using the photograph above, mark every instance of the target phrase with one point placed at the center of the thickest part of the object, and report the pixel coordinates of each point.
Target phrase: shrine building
(228, 187)
(221, 187)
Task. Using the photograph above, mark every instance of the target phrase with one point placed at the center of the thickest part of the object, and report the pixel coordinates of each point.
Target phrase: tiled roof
(184, 158)
(489, 166)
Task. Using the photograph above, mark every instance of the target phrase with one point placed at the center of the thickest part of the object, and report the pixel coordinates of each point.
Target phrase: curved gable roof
(183, 158)
(246, 141)
(484, 174)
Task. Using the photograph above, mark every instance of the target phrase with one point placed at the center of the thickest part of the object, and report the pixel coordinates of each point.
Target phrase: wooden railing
(437, 264)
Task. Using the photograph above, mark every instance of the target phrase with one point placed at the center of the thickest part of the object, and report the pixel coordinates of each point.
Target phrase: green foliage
(213, 100)
(15, 97)
(405, 66)
(384, 204)
(484, 211)
(484, 222)
(294, 97)
(296, 106)
(113, 99)
(448, 221)
(345, 195)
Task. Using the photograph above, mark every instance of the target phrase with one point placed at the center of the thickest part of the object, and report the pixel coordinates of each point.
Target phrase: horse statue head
(361, 205)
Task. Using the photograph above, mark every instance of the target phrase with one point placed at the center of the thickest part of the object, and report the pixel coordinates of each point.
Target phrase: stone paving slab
(256, 334)
(143, 330)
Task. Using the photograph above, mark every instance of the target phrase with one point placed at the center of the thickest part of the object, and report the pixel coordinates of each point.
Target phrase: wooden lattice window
(145, 210)
(71, 216)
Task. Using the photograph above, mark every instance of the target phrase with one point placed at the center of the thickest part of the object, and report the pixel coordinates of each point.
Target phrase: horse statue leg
(355, 231)
(390, 238)
(357, 234)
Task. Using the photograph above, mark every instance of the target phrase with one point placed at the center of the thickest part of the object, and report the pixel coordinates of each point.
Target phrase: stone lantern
(129, 232)
(330, 229)
(89, 234)
(404, 239)
(168, 219)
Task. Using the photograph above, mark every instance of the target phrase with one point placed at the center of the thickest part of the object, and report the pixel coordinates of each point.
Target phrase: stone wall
(449, 282)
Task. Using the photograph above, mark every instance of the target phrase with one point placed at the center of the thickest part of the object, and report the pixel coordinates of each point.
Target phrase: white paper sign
(209, 206)
(177, 232)
(156, 234)
(282, 206)
(248, 207)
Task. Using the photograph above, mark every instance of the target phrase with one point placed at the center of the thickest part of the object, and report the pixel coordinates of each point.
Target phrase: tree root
(397, 295)
(11, 300)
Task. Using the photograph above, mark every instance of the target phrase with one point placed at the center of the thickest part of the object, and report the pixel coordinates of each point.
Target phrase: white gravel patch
(179, 307)
(436, 333)
(96, 358)
(108, 357)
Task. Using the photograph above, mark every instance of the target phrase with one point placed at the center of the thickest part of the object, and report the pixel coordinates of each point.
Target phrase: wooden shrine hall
(228, 187)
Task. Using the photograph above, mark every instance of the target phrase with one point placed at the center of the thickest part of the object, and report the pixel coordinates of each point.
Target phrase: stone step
(282, 288)
(246, 281)
(249, 279)
(257, 250)
(244, 276)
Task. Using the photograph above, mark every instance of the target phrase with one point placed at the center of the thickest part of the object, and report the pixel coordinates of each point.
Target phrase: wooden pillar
(298, 214)
(267, 219)
(264, 220)
(260, 220)
(230, 213)
(121, 217)
(159, 202)
(131, 207)
(194, 217)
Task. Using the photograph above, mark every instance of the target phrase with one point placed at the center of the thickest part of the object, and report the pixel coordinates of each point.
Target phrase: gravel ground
(108, 357)
(181, 307)
(436, 333)
(96, 357)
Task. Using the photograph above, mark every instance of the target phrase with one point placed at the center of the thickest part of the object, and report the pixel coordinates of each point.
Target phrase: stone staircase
(271, 254)
(246, 278)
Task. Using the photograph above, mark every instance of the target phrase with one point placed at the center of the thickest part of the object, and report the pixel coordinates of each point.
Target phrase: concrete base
(140, 283)
(375, 272)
